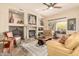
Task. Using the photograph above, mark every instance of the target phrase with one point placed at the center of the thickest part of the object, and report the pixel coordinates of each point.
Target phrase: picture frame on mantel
(32, 19)
(71, 24)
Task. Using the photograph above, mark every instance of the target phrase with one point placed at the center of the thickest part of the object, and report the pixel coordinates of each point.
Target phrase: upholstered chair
(10, 42)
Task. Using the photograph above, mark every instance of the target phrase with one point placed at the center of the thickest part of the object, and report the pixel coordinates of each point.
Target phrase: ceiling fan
(51, 6)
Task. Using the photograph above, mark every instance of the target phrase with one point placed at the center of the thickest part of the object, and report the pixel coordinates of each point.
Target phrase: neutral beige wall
(71, 13)
(4, 16)
(3, 19)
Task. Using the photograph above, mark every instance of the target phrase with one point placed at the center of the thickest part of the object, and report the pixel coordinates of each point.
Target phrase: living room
(39, 27)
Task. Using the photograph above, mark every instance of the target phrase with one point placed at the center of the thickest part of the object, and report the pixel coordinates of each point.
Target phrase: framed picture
(41, 22)
(32, 19)
(71, 24)
(51, 25)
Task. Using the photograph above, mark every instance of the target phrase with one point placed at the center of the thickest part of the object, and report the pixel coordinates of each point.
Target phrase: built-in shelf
(16, 23)
(40, 31)
(32, 25)
(12, 24)
(40, 26)
(32, 29)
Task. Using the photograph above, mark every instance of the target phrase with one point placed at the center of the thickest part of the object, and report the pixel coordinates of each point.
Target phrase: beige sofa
(69, 48)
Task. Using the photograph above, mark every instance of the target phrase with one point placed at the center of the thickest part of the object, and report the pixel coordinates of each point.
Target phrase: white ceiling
(38, 7)
(49, 12)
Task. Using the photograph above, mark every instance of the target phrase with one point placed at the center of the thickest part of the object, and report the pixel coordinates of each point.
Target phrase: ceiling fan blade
(53, 4)
(57, 7)
(46, 4)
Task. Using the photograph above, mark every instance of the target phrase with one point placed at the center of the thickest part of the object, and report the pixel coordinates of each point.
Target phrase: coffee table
(34, 49)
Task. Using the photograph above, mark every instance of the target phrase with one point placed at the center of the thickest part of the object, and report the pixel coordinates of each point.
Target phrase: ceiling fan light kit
(51, 8)
(51, 5)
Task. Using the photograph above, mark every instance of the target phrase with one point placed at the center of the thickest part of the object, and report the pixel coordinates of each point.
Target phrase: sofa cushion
(63, 39)
(72, 41)
(54, 43)
(55, 46)
(76, 52)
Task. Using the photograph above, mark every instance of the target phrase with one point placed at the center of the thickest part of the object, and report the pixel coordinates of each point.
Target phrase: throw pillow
(63, 39)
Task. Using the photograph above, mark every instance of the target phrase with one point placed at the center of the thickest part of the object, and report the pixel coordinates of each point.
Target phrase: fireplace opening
(32, 33)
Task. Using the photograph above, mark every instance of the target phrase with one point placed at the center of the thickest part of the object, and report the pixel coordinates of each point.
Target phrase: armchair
(8, 42)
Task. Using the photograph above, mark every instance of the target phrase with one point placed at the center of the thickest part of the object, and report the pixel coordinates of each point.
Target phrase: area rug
(34, 49)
